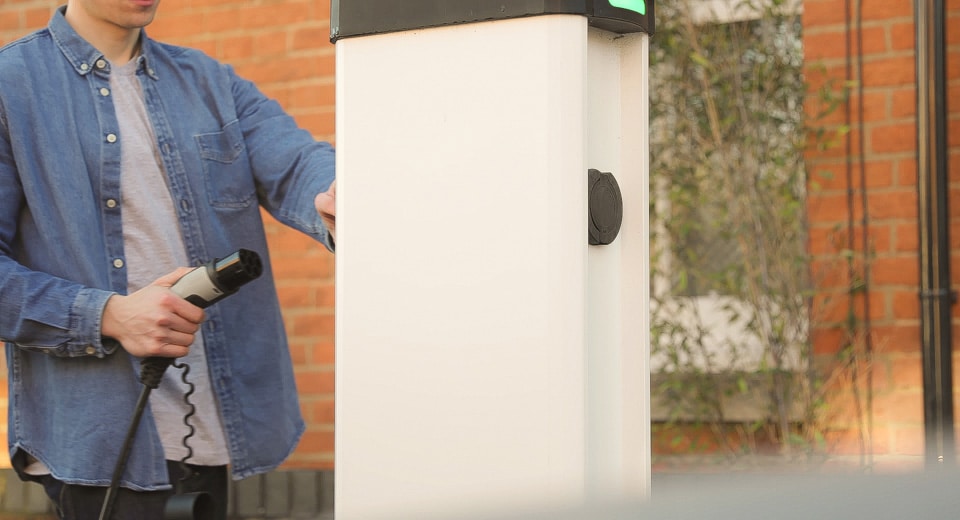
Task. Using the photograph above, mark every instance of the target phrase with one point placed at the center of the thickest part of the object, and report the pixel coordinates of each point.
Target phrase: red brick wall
(282, 46)
(889, 375)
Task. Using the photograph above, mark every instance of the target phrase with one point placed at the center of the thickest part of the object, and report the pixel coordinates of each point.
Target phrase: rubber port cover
(605, 207)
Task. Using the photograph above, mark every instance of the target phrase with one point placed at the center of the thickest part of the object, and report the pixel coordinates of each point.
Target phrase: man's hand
(326, 204)
(153, 321)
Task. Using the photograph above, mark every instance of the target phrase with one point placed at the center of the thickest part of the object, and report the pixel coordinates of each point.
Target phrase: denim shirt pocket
(227, 174)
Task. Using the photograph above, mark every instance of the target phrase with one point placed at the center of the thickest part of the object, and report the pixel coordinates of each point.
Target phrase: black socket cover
(605, 207)
(237, 269)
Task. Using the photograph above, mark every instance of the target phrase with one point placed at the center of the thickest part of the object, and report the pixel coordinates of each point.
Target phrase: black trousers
(75, 502)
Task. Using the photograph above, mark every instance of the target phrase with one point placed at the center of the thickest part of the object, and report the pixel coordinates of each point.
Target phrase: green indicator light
(639, 6)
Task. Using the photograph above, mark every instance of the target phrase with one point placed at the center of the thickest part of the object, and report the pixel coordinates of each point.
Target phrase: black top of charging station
(364, 17)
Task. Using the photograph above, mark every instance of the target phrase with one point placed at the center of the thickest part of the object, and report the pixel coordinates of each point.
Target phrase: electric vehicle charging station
(492, 256)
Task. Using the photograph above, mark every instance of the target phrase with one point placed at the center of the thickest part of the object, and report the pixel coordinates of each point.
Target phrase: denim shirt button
(111, 203)
(90, 350)
(84, 67)
(104, 91)
(118, 263)
(185, 205)
(111, 138)
(101, 63)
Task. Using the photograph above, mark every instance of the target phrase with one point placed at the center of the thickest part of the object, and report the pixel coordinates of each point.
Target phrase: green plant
(732, 285)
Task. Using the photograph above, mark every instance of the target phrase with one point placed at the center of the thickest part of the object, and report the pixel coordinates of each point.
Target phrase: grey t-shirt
(153, 247)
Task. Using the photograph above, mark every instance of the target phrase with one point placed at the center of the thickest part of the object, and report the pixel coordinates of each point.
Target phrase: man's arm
(38, 310)
(290, 166)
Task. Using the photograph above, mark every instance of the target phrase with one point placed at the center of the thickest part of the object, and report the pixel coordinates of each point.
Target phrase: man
(122, 162)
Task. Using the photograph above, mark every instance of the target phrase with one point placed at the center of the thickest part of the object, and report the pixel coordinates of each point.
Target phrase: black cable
(191, 411)
(151, 372)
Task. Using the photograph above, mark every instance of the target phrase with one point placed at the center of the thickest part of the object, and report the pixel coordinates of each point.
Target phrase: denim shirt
(228, 151)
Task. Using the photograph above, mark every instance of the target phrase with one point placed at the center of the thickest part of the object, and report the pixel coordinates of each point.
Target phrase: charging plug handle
(219, 278)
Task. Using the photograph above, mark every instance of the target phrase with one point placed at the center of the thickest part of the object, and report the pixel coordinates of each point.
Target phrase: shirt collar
(85, 58)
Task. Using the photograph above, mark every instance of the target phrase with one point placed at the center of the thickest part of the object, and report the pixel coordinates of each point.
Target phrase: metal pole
(936, 296)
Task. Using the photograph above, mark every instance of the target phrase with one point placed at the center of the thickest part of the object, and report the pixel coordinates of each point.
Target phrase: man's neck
(118, 44)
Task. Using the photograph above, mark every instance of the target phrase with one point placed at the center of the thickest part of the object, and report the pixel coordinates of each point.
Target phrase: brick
(953, 127)
(820, 240)
(904, 337)
(316, 382)
(170, 24)
(825, 176)
(298, 352)
(216, 3)
(878, 174)
(312, 324)
(10, 19)
(326, 295)
(906, 304)
(311, 37)
(885, 10)
(875, 106)
(907, 237)
(271, 44)
(236, 48)
(904, 103)
(258, 17)
(952, 28)
(323, 353)
(824, 83)
(289, 240)
(314, 441)
(897, 137)
(880, 239)
(313, 95)
(903, 36)
(296, 294)
(833, 208)
(879, 302)
(838, 144)
(218, 21)
(819, 45)
(892, 204)
(827, 340)
(322, 411)
(822, 13)
(891, 71)
(37, 18)
(831, 308)
(313, 266)
(906, 372)
(906, 171)
(896, 270)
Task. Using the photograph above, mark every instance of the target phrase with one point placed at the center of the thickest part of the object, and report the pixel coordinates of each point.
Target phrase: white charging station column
(488, 357)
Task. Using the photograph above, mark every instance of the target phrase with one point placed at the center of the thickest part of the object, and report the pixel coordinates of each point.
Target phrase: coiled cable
(191, 411)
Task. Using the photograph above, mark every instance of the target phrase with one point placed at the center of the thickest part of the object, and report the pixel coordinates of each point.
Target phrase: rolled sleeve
(87, 315)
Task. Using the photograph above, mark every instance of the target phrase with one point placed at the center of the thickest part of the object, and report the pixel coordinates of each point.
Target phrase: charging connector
(203, 286)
